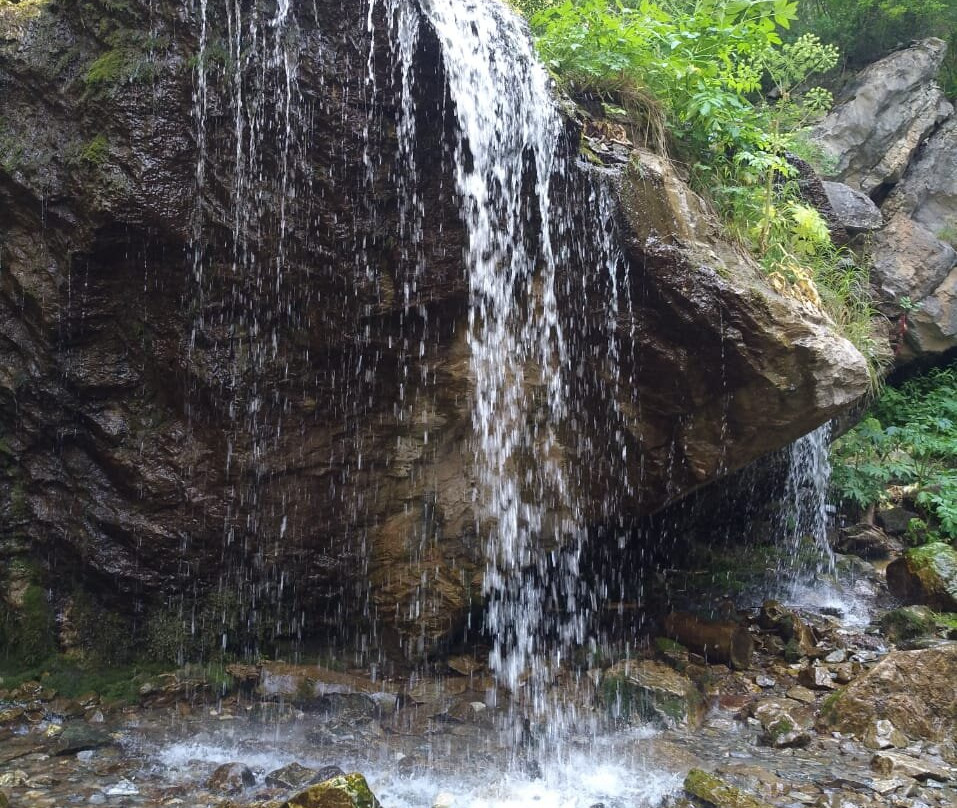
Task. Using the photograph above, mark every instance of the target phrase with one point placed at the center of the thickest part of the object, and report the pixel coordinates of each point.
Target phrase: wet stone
(231, 778)
(79, 737)
(816, 677)
(888, 763)
(294, 776)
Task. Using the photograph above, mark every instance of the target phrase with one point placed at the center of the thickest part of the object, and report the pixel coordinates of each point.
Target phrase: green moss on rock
(345, 791)
(715, 791)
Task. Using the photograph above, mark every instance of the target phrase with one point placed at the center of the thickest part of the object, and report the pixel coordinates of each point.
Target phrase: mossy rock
(908, 623)
(345, 791)
(716, 792)
(926, 575)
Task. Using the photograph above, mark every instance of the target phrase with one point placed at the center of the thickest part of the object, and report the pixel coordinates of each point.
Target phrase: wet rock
(798, 635)
(786, 723)
(717, 641)
(11, 715)
(294, 775)
(231, 778)
(79, 737)
(816, 677)
(912, 689)
(882, 734)
(465, 665)
(15, 779)
(836, 657)
(651, 690)
(846, 671)
(344, 791)
(888, 763)
(866, 541)
(908, 623)
(926, 575)
(304, 683)
(881, 119)
(716, 792)
(854, 211)
(4, 802)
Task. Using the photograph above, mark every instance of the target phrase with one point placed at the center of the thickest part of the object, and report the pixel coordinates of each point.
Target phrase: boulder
(914, 690)
(908, 623)
(882, 734)
(345, 791)
(295, 775)
(853, 210)
(785, 722)
(926, 575)
(866, 541)
(895, 520)
(651, 691)
(716, 792)
(884, 115)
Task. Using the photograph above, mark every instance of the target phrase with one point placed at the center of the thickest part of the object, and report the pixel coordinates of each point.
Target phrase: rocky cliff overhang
(188, 404)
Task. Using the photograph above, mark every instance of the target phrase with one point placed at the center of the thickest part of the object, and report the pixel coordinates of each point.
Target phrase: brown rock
(231, 778)
(651, 690)
(817, 677)
(717, 641)
(914, 690)
(888, 763)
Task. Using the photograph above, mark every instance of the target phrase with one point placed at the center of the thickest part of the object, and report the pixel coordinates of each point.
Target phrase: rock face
(914, 690)
(254, 403)
(895, 135)
(884, 115)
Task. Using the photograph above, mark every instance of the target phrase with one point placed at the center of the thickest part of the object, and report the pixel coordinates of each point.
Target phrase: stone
(909, 261)
(855, 211)
(789, 626)
(652, 691)
(786, 723)
(908, 623)
(914, 690)
(802, 694)
(836, 657)
(11, 715)
(895, 519)
(816, 677)
(888, 763)
(867, 542)
(926, 575)
(80, 736)
(882, 734)
(716, 792)
(884, 115)
(295, 775)
(763, 681)
(344, 791)
(231, 778)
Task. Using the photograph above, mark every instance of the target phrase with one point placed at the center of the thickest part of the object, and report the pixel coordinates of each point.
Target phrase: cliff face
(226, 366)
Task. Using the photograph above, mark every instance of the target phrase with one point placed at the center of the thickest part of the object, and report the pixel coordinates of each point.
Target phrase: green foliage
(30, 629)
(909, 438)
(735, 100)
(71, 679)
(866, 30)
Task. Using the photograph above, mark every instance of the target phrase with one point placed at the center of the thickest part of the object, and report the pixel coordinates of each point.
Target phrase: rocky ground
(810, 708)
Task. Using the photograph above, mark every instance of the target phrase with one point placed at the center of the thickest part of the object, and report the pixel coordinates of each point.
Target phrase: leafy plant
(917, 448)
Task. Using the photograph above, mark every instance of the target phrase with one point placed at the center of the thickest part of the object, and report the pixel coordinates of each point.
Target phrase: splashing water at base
(810, 581)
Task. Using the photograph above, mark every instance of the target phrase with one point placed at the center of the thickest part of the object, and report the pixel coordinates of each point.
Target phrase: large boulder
(256, 403)
(853, 210)
(914, 690)
(884, 115)
(345, 791)
(926, 575)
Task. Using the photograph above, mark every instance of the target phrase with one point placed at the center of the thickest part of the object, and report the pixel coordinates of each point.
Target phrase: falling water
(808, 576)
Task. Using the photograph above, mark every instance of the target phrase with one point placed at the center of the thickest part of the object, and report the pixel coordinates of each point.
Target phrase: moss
(829, 706)
(345, 791)
(716, 792)
(779, 728)
(102, 636)
(908, 623)
(71, 679)
(96, 152)
(31, 628)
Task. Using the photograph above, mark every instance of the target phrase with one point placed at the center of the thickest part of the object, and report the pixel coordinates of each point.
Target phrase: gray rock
(890, 108)
(888, 763)
(80, 736)
(294, 776)
(895, 519)
(854, 210)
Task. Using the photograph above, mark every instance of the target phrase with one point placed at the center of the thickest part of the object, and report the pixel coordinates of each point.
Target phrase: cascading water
(808, 578)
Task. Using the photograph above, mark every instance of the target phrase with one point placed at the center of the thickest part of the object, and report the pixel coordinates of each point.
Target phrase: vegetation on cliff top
(715, 81)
